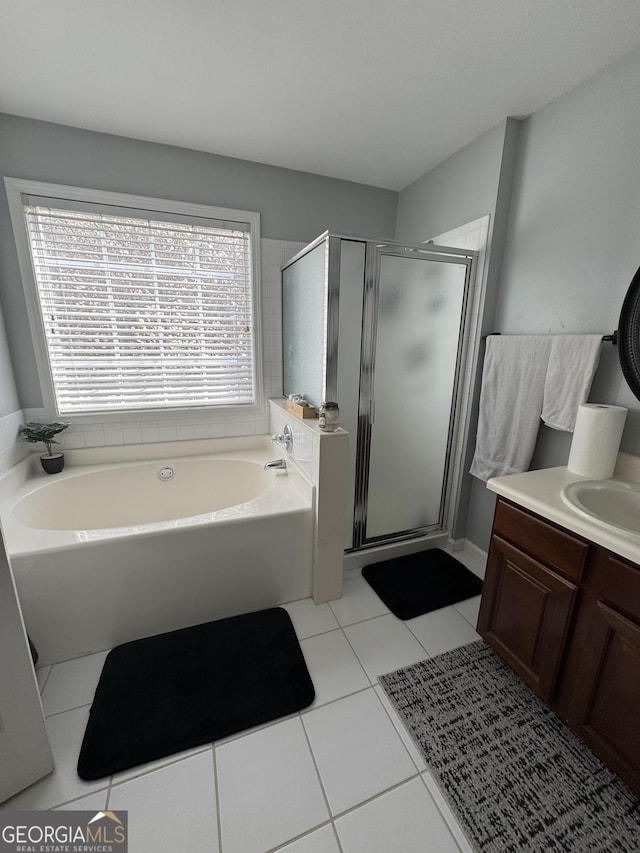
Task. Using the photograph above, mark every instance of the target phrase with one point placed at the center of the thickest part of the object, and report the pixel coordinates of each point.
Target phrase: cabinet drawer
(544, 541)
(525, 614)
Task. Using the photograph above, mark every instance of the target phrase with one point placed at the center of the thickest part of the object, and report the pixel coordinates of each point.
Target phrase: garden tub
(106, 553)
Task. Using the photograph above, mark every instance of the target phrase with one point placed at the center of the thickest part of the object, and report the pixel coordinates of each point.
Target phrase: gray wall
(473, 182)
(573, 240)
(458, 190)
(9, 400)
(293, 205)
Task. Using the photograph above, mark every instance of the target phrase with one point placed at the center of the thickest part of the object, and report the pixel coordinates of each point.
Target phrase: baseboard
(356, 560)
(454, 545)
(475, 551)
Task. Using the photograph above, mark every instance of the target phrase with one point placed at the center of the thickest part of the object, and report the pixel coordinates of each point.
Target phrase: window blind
(142, 313)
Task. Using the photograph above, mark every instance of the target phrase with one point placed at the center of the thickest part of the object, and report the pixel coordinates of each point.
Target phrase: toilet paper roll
(596, 440)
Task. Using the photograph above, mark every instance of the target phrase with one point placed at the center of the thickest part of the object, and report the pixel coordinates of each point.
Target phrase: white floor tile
(91, 802)
(65, 732)
(445, 811)
(357, 750)
(72, 683)
(469, 609)
(41, 676)
(141, 769)
(442, 630)
(309, 618)
(268, 789)
(358, 602)
(320, 841)
(171, 809)
(383, 645)
(406, 738)
(333, 666)
(405, 819)
(472, 561)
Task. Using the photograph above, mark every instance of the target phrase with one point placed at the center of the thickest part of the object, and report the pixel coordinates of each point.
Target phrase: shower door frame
(374, 249)
(366, 404)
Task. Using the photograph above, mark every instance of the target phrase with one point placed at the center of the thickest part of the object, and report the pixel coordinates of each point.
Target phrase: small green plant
(34, 432)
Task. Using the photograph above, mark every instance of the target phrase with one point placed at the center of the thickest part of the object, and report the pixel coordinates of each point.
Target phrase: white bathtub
(107, 553)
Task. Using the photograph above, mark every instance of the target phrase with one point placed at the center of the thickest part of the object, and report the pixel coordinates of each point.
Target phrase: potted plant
(52, 463)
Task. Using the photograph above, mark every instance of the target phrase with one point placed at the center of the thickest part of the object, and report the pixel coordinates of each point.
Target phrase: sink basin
(615, 503)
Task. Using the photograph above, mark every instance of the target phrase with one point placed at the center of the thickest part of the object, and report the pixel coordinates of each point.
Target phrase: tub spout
(275, 463)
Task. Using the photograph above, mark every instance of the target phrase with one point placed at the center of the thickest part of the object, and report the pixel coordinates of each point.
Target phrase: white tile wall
(182, 426)
(12, 450)
(322, 459)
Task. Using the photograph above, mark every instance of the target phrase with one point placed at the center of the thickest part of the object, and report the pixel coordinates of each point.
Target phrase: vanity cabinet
(564, 613)
(529, 594)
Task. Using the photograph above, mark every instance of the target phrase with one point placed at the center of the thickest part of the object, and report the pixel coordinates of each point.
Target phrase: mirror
(629, 335)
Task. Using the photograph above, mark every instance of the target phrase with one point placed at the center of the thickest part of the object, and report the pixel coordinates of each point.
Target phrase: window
(140, 305)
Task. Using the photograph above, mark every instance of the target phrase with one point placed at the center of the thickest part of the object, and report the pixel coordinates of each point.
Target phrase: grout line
(366, 619)
(65, 802)
(337, 836)
(377, 796)
(306, 711)
(318, 633)
(474, 626)
(296, 838)
(216, 788)
(447, 818)
(253, 730)
(395, 728)
(372, 684)
(66, 710)
(393, 723)
(46, 679)
(175, 759)
(317, 769)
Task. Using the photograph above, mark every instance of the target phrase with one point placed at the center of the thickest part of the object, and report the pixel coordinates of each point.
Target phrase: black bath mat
(419, 583)
(164, 694)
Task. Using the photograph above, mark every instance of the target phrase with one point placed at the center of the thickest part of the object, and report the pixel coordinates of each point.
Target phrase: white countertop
(540, 492)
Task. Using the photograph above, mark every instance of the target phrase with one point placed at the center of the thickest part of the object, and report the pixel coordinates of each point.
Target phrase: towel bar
(613, 338)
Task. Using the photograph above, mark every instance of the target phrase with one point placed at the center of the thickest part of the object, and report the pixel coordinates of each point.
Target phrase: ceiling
(371, 91)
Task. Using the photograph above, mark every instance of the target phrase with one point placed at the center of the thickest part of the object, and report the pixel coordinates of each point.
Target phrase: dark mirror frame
(629, 335)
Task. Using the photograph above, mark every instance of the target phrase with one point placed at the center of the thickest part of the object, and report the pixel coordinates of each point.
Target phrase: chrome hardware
(285, 440)
(166, 473)
(275, 463)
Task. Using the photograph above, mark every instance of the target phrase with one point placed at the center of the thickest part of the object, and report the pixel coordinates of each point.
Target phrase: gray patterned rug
(514, 774)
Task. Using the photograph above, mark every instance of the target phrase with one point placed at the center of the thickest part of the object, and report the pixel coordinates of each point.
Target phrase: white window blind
(141, 313)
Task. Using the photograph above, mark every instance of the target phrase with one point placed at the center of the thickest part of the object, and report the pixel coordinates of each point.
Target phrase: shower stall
(379, 327)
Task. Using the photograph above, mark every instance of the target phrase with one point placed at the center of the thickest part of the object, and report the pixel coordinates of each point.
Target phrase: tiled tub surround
(322, 458)
(143, 428)
(340, 777)
(82, 591)
(12, 451)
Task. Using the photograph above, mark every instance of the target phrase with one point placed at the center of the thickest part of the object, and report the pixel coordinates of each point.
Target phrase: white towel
(513, 380)
(573, 361)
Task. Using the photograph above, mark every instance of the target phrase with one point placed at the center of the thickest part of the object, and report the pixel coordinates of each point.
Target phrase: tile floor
(340, 776)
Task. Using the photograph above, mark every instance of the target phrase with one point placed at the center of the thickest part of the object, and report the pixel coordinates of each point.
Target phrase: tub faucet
(286, 439)
(275, 463)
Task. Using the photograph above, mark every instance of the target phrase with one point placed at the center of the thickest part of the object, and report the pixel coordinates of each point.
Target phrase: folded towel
(573, 361)
(513, 380)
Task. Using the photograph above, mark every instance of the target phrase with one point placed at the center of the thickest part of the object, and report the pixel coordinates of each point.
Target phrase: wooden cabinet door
(525, 613)
(605, 706)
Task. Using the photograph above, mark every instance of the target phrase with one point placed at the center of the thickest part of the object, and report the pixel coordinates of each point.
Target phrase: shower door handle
(372, 412)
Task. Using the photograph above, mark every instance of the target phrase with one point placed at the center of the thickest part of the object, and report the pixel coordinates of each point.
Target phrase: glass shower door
(417, 316)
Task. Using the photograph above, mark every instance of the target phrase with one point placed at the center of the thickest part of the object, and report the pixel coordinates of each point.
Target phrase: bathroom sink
(615, 503)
